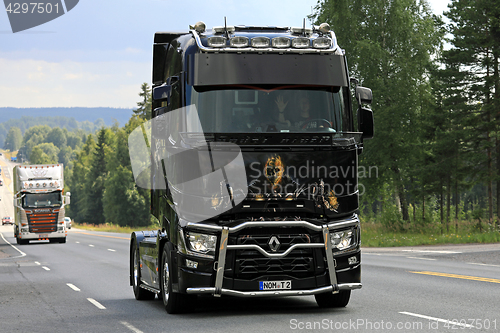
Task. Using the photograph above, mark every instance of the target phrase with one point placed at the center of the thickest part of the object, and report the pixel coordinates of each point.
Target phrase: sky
(99, 53)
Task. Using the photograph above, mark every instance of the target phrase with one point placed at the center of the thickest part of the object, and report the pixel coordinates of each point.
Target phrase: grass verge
(110, 227)
(372, 235)
(375, 235)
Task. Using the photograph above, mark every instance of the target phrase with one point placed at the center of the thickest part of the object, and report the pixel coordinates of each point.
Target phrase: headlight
(342, 239)
(201, 243)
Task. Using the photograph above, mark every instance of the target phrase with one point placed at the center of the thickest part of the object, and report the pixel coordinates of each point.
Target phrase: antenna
(225, 28)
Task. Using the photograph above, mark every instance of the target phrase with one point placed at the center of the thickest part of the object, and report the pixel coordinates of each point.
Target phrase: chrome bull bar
(217, 291)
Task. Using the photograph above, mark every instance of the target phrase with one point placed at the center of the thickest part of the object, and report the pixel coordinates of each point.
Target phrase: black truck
(252, 163)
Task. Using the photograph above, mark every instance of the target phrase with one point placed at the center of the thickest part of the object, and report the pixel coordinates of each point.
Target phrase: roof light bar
(260, 42)
(239, 41)
(281, 42)
(300, 43)
(322, 43)
(217, 41)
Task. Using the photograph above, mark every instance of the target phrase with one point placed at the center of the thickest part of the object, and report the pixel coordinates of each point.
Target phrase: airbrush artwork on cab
(276, 181)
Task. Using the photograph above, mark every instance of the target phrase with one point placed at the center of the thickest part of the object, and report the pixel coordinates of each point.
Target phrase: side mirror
(364, 95)
(67, 197)
(365, 122)
(17, 202)
(162, 93)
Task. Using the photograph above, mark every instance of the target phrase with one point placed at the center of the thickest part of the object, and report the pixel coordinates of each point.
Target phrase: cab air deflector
(207, 69)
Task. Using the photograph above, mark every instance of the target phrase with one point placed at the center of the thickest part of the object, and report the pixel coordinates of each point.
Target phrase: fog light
(352, 260)
(191, 264)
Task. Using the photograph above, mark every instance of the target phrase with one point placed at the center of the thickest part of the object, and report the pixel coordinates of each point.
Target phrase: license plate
(43, 236)
(275, 285)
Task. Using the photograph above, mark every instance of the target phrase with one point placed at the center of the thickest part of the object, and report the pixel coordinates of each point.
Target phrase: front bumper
(340, 271)
(42, 236)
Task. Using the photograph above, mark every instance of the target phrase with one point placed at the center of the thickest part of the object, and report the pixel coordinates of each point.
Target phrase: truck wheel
(140, 293)
(62, 240)
(173, 302)
(329, 300)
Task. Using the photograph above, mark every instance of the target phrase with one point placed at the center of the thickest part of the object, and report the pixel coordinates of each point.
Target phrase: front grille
(250, 264)
(42, 222)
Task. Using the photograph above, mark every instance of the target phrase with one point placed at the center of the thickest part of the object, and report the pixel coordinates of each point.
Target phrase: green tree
(57, 136)
(475, 27)
(97, 177)
(79, 183)
(14, 139)
(389, 44)
(44, 153)
(38, 156)
(144, 106)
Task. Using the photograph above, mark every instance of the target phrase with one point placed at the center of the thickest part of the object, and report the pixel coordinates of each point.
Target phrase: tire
(140, 293)
(19, 241)
(329, 300)
(62, 240)
(173, 302)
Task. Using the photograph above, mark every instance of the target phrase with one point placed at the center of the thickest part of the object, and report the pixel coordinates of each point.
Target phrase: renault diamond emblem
(274, 243)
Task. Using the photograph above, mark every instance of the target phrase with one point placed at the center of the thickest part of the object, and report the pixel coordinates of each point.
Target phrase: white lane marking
(77, 242)
(36, 262)
(429, 251)
(420, 258)
(474, 263)
(111, 250)
(46, 268)
(96, 303)
(454, 323)
(91, 245)
(72, 286)
(130, 327)
(15, 248)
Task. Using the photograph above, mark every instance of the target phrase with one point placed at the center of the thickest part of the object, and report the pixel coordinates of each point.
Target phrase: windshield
(42, 200)
(280, 109)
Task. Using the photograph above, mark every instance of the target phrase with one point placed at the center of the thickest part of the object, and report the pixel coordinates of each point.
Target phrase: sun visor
(208, 69)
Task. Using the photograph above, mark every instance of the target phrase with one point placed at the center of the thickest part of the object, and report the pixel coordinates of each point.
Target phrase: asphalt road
(83, 286)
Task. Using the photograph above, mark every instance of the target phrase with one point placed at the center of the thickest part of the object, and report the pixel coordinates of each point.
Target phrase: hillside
(88, 119)
(109, 115)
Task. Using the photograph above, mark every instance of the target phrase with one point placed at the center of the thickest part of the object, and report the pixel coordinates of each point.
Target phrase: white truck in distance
(39, 203)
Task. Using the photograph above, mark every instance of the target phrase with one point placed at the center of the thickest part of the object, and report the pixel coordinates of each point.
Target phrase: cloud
(40, 83)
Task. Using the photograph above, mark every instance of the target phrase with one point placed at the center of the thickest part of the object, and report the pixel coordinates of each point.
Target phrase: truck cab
(254, 148)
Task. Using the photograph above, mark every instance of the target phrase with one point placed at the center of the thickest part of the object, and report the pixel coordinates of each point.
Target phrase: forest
(436, 88)
(436, 149)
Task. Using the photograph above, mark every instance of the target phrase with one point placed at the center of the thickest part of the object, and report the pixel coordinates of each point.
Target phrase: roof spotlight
(324, 28)
(200, 27)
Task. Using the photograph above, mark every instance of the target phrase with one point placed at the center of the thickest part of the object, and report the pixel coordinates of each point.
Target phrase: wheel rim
(136, 269)
(166, 279)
